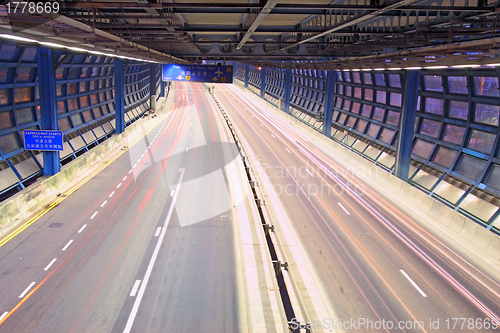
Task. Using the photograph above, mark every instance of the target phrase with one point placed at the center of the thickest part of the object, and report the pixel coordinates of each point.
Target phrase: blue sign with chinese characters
(198, 73)
(43, 140)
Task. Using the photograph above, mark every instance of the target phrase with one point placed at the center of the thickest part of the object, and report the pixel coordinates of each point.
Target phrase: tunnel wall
(85, 106)
(455, 156)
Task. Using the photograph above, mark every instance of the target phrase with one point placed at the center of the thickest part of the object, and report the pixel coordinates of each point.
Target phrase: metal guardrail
(275, 247)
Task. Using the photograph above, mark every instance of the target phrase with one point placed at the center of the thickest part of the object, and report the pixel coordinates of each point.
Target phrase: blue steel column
(119, 96)
(152, 87)
(407, 123)
(263, 82)
(48, 106)
(247, 74)
(288, 89)
(162, 88)
(330, 85)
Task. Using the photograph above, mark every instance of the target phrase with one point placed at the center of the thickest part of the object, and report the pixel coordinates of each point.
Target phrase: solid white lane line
(135, 287)
(345, 210)
(413, 283)
(309, 172)
(157, 232)
(124, 178)
(3, 315)
(50, 264)
(66, 246)
(137, 302)
(105, 202)
(119, 185)
(172, 193)
(27, 289)
(273, 136)
(288, 150)
(112, 194)
(93, 215)
(81, 229)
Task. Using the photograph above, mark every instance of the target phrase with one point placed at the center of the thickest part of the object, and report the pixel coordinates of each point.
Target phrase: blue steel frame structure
(83, 105)
(453, 151)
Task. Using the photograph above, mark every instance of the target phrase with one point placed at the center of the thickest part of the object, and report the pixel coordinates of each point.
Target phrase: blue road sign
(198, 73)
(43, 140)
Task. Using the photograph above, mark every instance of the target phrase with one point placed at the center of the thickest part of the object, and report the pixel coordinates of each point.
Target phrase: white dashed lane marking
(50, 264)
(81, 229)
(27, 289)
(67, 245)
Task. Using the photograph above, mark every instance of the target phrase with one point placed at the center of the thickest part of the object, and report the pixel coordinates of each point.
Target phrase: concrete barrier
(28, 202)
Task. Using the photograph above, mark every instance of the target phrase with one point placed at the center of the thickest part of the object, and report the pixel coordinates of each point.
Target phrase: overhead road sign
(198, 73)
(43, 140)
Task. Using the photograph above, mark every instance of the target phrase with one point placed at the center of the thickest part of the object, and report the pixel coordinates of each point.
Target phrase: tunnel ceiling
(314, 33)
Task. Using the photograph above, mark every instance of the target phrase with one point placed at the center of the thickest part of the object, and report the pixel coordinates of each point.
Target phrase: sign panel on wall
(198, 73)
(43, 140)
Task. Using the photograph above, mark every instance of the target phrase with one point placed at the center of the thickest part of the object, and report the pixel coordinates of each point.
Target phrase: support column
(288, 89)
(263, 82)
(48, 106)
(119, 96)
(247, 74)
(162, 88)
(407, 124)
(330, 87)
(152, 87)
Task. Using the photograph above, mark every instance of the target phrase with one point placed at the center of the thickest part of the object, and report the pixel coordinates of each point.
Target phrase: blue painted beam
(119, 96)
(263, 82)
(330, 86)
(247, 74)
(162, 88)
(152, 87)
(407, 123)
(288, 89)
(48, 106)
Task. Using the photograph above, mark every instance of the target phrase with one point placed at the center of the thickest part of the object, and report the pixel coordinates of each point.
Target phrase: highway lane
(366, 255)
(127, 235)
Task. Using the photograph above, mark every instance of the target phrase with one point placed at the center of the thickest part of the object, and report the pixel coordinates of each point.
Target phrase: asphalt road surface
(374, 263)
(144, 246)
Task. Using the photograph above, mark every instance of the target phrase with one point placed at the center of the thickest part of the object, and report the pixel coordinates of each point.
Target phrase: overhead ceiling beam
(262, 15)
(356, 20)
(281, 8)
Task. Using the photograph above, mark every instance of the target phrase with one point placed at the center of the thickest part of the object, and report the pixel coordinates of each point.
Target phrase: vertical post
(48, 106)
(247, 74)
(288, 89)
(119, 96)
(162, 88)
(263, 82)
(407, 123)
(330, 86)
(152, 87)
